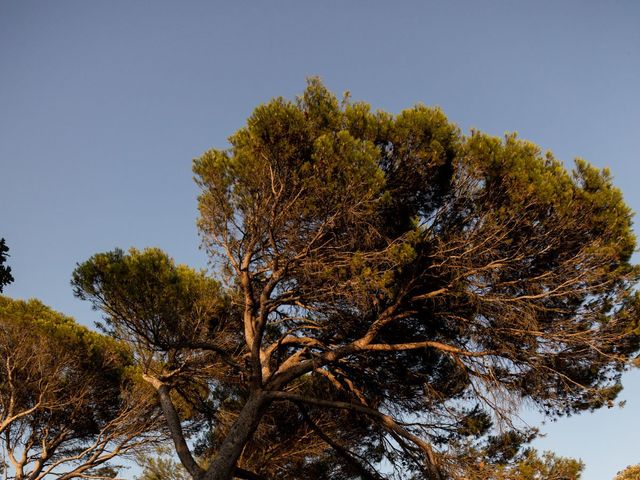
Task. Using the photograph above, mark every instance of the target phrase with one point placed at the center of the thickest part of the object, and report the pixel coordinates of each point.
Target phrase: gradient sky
(103, 105)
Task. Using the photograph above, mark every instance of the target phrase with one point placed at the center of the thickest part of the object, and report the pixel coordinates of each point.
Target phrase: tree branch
(175, 427)
(385, 420)
(348, 456)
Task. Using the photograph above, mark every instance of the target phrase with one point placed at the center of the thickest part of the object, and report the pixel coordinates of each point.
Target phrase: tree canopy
(388, 291)
(632, 472)
(67, 406)
(530, 465)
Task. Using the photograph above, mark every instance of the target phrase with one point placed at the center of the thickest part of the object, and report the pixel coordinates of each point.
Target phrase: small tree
(67, 407)
(394, 286)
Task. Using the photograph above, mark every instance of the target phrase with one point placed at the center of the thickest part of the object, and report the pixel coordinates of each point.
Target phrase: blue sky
(103, 105)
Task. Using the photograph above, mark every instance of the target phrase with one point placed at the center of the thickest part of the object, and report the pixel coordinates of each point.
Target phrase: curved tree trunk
(223, 464)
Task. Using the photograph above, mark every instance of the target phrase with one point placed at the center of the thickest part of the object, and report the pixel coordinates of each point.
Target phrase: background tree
(529, 465)
(632, 472)
(67, 406)
(5, 271)
(397, 287)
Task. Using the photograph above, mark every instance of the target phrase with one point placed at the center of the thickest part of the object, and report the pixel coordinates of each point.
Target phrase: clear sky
(103, 105)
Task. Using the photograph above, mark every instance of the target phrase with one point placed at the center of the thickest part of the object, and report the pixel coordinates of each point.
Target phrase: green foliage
(632, 472)
(163, 304)
(175, 320)
(65, 348)
(34, 317)
(160, 466)
(531, 466)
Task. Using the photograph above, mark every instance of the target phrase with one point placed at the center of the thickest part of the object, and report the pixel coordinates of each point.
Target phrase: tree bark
(175, 427)
(223, 465)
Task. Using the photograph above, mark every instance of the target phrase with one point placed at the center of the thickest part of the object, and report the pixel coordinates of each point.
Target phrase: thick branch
(426, 344)
(175, 427)
(224, 463)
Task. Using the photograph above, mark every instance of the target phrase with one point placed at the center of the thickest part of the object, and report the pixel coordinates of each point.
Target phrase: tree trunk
(223, 464)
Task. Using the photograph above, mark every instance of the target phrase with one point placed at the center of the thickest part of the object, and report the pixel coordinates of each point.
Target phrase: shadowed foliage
(5, 271)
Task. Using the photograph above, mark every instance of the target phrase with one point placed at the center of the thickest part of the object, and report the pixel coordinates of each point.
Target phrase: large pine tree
(389, 290)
